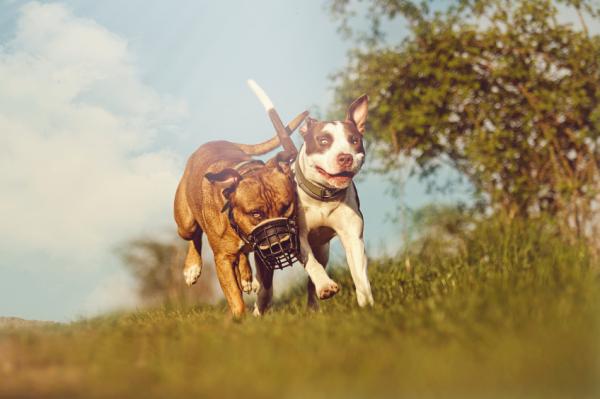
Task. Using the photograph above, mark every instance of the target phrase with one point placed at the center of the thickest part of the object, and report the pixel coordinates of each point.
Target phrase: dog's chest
(315, 210)
(318, 214)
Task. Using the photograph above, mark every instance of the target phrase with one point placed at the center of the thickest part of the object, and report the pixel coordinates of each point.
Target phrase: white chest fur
(344, 218)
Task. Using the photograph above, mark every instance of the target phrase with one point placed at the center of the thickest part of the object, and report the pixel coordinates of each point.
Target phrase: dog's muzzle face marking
(335, 152)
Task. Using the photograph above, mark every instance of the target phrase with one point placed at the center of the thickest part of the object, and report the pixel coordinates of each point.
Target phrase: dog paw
(255, 286)
(191, 274)
(364, 299)
(256, 312)
(328, 290)
(247, 286)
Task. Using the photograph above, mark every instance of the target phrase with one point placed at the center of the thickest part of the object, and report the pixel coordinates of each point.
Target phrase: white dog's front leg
(324, 285)
(354, 246)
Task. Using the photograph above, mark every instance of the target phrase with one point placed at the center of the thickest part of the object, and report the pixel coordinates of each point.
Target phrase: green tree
(501, 90)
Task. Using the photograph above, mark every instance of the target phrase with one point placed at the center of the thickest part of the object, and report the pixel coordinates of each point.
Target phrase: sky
(102, 102)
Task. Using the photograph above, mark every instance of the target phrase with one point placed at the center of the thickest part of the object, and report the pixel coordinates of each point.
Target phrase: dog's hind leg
(193, 261)
(264, 296)
(186, 223)
(188, 229)
(322, 255)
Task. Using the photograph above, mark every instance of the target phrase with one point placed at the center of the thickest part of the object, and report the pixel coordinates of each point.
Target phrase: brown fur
(208, 181)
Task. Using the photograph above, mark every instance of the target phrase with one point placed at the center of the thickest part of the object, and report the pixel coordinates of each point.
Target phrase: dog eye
(258, 214)
(323, 140)
(354, 140)
(285, 208)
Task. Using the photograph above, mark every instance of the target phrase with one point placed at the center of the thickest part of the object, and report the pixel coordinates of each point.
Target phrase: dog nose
(345, 160)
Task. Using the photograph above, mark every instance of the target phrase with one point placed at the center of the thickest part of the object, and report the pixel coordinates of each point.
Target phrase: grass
(516, 315)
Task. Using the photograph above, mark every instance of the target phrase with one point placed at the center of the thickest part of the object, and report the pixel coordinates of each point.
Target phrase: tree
(501, 90)
(157, 266)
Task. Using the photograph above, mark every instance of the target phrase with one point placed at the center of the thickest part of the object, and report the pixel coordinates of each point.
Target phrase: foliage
(502, 90)
(514, 315)
(156, 265)
(438, 230)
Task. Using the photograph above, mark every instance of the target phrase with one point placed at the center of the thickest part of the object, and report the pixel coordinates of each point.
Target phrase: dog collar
(314, 190)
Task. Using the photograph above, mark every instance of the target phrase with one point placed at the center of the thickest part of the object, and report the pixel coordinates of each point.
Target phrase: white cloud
(78, 169)
(114, 292)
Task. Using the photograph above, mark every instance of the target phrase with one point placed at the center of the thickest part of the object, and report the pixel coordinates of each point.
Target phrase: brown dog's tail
(274, 142)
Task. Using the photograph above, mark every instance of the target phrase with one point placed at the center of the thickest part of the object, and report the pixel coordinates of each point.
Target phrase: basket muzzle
(275, 242)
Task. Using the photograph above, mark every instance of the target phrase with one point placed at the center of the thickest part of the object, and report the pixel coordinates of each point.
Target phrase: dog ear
(297, 121)
(357, 112)
(227, 178)
(304, 129)
(282, 161)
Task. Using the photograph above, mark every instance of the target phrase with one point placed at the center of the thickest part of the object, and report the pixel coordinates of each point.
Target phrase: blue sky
(102, 102)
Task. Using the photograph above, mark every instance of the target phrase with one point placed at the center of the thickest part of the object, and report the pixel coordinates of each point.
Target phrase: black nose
(344, 160)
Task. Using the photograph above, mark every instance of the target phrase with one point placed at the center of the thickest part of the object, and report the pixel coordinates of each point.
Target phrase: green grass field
(514, 316)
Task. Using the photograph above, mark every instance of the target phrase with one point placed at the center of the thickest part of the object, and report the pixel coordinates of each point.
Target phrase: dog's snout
(344, 160)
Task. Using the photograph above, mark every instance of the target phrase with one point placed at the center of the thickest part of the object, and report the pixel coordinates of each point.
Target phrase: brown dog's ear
(357, 112)
(281, 161)
(307, 126)
(227, 178)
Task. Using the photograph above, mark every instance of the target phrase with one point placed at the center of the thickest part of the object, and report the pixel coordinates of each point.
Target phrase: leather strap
(316, 191)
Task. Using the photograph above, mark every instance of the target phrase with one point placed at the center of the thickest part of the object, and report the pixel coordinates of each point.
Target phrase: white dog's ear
(357, 112)
(304, 129)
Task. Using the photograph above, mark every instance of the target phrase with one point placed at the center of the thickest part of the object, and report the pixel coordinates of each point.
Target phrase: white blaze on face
(328, 160)
(340, 145)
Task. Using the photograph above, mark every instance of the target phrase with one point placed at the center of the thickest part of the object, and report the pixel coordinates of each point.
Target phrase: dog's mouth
(340, 178)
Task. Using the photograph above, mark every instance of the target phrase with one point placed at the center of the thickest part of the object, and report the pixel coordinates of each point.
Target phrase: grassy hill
(515, 315)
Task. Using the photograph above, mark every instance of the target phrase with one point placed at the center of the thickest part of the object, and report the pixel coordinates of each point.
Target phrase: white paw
(247, 286)
(256, 312)
(327, 290)
(364, 299)
(191, 274)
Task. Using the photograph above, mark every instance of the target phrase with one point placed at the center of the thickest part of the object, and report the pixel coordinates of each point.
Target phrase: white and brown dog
(328, 205)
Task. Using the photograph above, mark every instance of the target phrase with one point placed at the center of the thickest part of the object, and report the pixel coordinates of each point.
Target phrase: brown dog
(221, 175)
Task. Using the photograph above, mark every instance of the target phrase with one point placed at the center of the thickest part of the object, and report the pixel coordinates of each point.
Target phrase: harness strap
(254, 165)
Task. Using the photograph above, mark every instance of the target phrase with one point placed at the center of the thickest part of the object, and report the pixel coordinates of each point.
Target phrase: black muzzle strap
(274, 241)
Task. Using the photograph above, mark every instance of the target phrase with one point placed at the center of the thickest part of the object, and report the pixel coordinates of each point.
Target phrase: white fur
(260, 93)
(191, 274)
(345, 219)
(328, 160)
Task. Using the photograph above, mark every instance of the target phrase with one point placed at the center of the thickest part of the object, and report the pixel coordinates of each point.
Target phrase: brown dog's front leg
(245, 273)
(227, 279)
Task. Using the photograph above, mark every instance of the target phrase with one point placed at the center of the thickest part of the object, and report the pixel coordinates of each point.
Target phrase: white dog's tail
(262, 96)
(283, 133)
